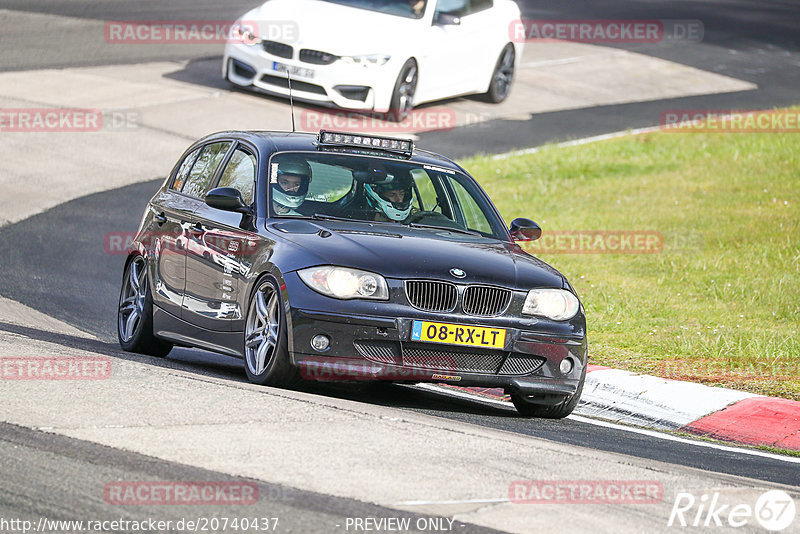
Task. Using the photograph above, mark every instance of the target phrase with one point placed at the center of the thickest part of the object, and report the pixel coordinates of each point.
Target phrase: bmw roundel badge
(458, 273)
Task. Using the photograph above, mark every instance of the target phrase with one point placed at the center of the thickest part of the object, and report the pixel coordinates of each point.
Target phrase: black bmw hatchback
(349, 257)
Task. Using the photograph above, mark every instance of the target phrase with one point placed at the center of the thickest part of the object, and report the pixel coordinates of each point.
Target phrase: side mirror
(525, 230)
(226, 199)
(446, 19)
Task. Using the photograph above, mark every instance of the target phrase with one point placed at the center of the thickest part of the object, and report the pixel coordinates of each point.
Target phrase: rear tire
(266, 353)
(135, 313)
(557, 411)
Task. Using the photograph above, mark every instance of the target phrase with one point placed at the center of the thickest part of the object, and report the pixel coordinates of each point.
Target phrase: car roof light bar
(389, 144)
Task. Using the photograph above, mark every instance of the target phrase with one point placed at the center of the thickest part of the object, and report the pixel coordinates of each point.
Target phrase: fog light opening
(320, 342)
(566, 366)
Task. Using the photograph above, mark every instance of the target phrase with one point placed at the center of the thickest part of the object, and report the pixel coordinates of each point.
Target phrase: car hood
(403, 252)
(334, 28)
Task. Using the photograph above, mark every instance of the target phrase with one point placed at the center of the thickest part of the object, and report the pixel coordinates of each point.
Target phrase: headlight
(344, 283)
(555, 304)
(244, 35)
(373, 60)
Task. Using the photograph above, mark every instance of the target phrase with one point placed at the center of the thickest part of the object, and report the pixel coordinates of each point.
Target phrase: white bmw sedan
(384, 56)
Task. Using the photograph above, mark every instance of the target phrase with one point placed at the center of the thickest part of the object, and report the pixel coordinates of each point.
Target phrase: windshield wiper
(322, 217)
(448, 228)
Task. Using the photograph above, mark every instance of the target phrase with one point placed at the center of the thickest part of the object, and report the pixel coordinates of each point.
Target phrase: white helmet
(395, 211)
(291, 199)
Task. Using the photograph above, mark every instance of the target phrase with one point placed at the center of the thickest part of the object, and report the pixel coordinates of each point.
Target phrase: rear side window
(428, 197)
(240, 173)
(479, 5)
(204, 168)
(183, 171)
(457, 8)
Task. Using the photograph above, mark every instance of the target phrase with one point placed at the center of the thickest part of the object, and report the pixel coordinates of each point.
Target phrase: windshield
(373, 189)
(413, 9)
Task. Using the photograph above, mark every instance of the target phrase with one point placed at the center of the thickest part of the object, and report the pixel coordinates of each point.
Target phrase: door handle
(161, 218)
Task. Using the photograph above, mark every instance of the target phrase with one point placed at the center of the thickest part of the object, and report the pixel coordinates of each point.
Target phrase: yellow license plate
(455, 334)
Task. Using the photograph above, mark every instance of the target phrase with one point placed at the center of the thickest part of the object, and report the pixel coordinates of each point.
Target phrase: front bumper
(338, 84)
(367, 347)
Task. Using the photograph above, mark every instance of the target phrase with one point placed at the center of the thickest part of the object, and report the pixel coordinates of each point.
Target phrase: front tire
(266, 353)
(403, 94)
(557, 411)
(503, 76)
(135, 313)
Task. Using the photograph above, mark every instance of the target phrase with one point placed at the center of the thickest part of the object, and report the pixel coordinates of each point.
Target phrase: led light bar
(405, 146)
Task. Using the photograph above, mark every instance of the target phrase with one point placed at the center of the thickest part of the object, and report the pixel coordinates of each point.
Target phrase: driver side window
(427, 193)
(473, 215)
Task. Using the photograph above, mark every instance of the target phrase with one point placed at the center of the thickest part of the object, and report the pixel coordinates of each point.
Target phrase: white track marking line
(624, 428)
(577, 142)
(670, 437)
(467, 501)
(561, 61)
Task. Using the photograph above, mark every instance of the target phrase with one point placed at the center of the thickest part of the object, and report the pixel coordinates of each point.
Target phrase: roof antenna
(291, 100)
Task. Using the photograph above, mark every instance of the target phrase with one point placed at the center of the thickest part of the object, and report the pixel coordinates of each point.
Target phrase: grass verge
(720, 302)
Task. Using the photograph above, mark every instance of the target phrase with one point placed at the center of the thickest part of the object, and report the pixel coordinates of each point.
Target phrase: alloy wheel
(132, 300)
(406, 91)
(504, 74)
(262, 329)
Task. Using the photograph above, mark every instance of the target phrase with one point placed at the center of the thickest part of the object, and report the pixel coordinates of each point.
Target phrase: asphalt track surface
(56, 263)
(30, 491)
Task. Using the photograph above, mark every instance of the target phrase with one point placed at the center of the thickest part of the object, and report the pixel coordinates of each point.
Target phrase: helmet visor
(400, 199)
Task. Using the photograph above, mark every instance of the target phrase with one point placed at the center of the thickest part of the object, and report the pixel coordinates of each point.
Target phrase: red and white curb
(649, 401)
(652, 402)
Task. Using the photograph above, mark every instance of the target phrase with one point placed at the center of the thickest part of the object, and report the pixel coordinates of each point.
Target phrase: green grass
(721, 303)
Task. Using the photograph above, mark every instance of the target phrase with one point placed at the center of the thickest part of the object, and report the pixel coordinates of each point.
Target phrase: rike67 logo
(774, 510)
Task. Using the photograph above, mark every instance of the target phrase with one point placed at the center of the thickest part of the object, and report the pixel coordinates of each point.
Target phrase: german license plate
(291, 69)
(454, 334)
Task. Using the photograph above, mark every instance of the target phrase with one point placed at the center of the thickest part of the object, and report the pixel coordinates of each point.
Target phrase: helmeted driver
(392, 197)
(290, 188)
